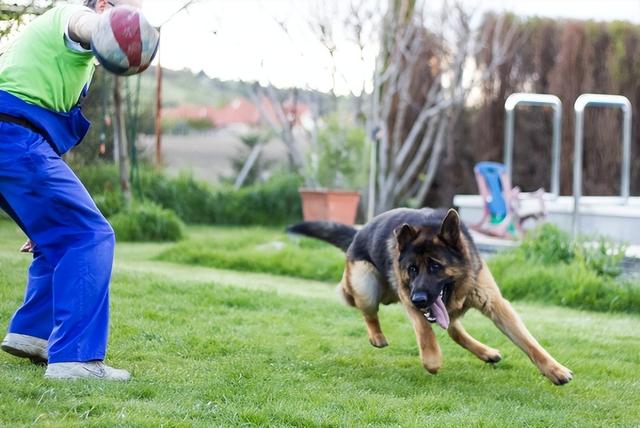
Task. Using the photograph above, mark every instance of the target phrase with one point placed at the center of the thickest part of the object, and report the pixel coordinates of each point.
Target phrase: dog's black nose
(419, 299)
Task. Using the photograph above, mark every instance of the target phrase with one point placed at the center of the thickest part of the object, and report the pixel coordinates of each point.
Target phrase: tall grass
(549, 267)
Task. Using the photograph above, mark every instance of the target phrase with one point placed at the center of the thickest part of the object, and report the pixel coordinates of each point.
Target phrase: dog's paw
(491, 356)
(432, 367)
(558, 374)
(379, 341)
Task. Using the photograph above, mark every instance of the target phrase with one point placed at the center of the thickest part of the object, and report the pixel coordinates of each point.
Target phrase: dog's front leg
(430, 353)
(461, 337)
(507, 320)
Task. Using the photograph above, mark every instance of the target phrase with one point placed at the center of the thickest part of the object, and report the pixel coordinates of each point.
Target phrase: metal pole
(577, 169)
(508, 138)
(600, 100)
(537, 100)
(555, 154)
(625, 177)
(159, 88)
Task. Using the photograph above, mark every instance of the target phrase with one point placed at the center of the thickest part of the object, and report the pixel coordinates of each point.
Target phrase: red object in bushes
(330, 205)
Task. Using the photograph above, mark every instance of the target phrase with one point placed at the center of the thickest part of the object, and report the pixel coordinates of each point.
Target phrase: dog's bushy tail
(337, 234)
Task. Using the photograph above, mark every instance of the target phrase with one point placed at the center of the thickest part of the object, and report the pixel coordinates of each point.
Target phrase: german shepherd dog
(427, 260)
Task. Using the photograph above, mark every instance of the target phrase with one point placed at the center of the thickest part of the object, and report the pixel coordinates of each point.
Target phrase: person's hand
(27, 247)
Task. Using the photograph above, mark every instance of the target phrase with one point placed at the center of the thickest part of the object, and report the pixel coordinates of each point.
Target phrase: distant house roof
(239, 111)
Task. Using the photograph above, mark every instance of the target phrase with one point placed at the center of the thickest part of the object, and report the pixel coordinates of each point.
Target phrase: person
(44, 73)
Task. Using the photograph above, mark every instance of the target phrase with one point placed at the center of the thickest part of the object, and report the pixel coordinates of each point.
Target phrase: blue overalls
(67, 296)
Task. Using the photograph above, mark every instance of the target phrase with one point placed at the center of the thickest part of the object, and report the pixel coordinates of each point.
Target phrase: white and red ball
(123, 41)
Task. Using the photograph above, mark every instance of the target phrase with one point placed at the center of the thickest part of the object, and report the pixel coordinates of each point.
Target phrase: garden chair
(505, 208)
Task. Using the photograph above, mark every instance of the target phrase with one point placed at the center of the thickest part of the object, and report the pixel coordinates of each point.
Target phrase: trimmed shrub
(146, 222)
(274, 202)
(341, 155)
(188, 198)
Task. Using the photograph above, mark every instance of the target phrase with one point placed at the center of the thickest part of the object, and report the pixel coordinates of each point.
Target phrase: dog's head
(430, 259)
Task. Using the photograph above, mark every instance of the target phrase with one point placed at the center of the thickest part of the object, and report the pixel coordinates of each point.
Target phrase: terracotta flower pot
(329, 205)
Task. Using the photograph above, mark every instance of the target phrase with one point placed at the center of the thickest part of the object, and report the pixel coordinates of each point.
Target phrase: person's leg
(35, 316)
(58, 214)
(29, 330)
(4, 205)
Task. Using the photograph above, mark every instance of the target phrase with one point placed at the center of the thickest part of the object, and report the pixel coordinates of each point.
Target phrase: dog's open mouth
(437, 312)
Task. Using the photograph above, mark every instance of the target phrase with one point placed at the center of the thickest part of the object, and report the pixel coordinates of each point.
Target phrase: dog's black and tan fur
(418, 257)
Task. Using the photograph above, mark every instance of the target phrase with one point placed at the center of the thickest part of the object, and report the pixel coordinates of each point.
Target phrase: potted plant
(339, 168)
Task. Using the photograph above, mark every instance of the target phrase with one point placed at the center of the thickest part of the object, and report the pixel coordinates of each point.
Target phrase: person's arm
(81, 25)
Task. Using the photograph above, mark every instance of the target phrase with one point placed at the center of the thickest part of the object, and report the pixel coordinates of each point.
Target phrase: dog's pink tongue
(439, 311)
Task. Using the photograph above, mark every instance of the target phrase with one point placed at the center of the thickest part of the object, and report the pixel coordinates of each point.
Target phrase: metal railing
(599, 100)
(543, 100)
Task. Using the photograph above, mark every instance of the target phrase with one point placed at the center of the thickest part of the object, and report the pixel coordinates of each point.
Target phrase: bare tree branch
(423, 86)
(281, 124)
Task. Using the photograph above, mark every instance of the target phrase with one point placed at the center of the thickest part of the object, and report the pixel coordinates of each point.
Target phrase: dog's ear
(404, 234)
(450, 228)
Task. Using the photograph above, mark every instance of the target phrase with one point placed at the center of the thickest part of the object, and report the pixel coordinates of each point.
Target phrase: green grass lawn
(211, 347)
(258, 249)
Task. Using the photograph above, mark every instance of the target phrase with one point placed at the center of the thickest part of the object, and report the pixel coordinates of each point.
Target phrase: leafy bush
(274, 202)
(146, 222)
(548, 267)
(99, 177)
(102, 181)
(190, 199)
(109, 203)
(340, 160)
(603, 256)
(548, 244)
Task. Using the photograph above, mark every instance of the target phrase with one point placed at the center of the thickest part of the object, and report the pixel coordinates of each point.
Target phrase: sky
(274, 42)
(271, 41)
(243, 39)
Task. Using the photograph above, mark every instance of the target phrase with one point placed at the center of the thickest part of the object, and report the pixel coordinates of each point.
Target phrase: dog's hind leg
(464, 339)
(492, 304)
(362, 287)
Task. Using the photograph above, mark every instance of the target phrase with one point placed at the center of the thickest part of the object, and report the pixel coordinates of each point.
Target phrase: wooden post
(159, 111)
(120, 138)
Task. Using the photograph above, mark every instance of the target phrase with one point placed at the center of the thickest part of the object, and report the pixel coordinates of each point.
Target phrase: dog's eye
(434, 267)
(413, 270)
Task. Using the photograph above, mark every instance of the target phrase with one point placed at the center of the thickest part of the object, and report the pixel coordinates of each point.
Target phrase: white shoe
(25, 346)
(90, 370)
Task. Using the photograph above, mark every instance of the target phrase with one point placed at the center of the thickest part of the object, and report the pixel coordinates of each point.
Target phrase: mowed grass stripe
(250, 349)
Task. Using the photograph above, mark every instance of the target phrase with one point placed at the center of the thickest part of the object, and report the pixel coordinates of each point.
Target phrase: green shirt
(40, 69)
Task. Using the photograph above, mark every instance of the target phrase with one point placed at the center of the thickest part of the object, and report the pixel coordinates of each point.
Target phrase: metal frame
(600, 100)
(538, 100)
